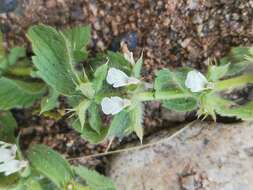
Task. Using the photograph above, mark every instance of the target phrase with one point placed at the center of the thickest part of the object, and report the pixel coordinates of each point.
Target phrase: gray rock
(200, 157)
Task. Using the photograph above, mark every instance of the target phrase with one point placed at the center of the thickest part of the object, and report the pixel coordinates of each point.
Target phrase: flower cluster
(117, 78)
(115, 104)
(8, 162)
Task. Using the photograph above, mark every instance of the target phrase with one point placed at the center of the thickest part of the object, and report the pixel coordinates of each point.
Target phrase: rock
(8, 5)
(201, 156)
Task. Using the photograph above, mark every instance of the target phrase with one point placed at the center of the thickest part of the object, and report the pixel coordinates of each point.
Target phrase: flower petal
(114, 105)
(7, 151)
(12, 166)
(116, 77)
(196, 81)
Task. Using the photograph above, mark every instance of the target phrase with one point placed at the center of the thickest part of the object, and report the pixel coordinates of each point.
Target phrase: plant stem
(162, 95)
(233, 82)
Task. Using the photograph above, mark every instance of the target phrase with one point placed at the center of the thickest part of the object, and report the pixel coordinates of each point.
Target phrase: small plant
(43, 168)
(105, 95)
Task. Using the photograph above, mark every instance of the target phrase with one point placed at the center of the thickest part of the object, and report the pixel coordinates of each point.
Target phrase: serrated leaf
(136, 117)
(81, 111)
(89, 134)
(49, 102)
(53, 58)
(94, 116)
(8, 125)
(217, 72)
(119, 125)
(94, 180)
(51, 164)
(137, 66)
(99, 77)
(79, 38)
(18, 94)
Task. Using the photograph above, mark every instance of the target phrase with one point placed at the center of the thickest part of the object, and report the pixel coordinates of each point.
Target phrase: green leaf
(99, 77)
(175, 81)
(118, 61)
(94, 180)
(87, 89)
(136, 117)
(79, 38)
(181, 104)
(81, 111)
(217, 72)
(51, 164)
(53, 58)
(119, 125)
(49, 102)
(94, 116)
(137, 67)
(18, 94)
(89, 134)
(15, 54)
(7, 127)
(238, 59)
(244, 112)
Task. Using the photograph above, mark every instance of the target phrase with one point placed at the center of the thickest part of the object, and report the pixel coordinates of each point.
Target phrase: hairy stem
(161, 95)
(233, 82)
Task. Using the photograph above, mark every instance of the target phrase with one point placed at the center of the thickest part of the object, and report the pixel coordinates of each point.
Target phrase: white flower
(118, 78)
(8, 163)
(7, 151)
(12, 166)
(114, 105)
(196, 81)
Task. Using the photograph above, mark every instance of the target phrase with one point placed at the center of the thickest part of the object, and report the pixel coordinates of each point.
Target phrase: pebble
(8, 5)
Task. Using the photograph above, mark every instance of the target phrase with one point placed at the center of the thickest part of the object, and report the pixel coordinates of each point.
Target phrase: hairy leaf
(17, 93)
(238, 59)
(51, 164)
(136, 117)
(81, 110)
(217, 72)
(94, 180)
(244, 112)
(49, 102)
(99, 77)
(79, 38)
(119, 125)
(94, 116)
(53, 58)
